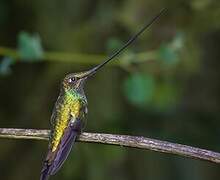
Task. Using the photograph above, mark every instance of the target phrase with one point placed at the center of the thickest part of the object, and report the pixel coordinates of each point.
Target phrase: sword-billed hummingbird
(70, 110)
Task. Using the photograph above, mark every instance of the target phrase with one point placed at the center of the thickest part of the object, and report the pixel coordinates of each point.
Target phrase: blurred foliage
(165, 85)
(143, 89)
(5, 64)
(29, 46)
(169, 52)
(139, 89)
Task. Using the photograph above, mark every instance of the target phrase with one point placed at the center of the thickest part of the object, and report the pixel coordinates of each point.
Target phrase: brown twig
(121, 140)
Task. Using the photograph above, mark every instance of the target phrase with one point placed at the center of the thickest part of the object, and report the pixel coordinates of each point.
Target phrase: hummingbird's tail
(45, 172)
(55, 160)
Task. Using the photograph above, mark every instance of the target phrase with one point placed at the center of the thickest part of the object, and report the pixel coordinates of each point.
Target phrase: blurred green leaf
(168, 52)
(29, 46)
(113, 44)
(5, 64)
(178, 42)
(139, 88)
(168, 55)
(142, 89)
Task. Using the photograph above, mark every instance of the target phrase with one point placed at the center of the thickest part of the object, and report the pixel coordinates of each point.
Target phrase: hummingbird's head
(75, 81)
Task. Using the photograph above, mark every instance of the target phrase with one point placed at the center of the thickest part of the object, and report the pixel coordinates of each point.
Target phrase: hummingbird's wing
(66, 144)
(55, 159)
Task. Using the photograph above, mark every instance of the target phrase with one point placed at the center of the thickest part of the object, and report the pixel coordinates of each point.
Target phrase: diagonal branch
(120, 140)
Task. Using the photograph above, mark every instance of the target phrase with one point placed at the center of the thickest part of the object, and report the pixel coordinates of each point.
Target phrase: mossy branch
(120, 140)
(78, 58)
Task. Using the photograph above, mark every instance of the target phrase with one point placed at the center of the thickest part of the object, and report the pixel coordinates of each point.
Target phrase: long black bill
(133, 38)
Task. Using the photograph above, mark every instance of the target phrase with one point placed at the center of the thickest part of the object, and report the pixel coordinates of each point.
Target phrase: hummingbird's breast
(68, 110)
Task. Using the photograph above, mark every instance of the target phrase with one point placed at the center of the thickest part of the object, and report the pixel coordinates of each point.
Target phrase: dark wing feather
(55, 160)
(45, 172)
(65, 146)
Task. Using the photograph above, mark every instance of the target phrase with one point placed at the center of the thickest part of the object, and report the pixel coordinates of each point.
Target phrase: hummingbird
(71, 107)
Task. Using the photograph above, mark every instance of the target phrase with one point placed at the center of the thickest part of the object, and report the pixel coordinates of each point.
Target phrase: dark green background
(174, 96)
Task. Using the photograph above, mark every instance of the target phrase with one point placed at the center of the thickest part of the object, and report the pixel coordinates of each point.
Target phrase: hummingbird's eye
(72, 79)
